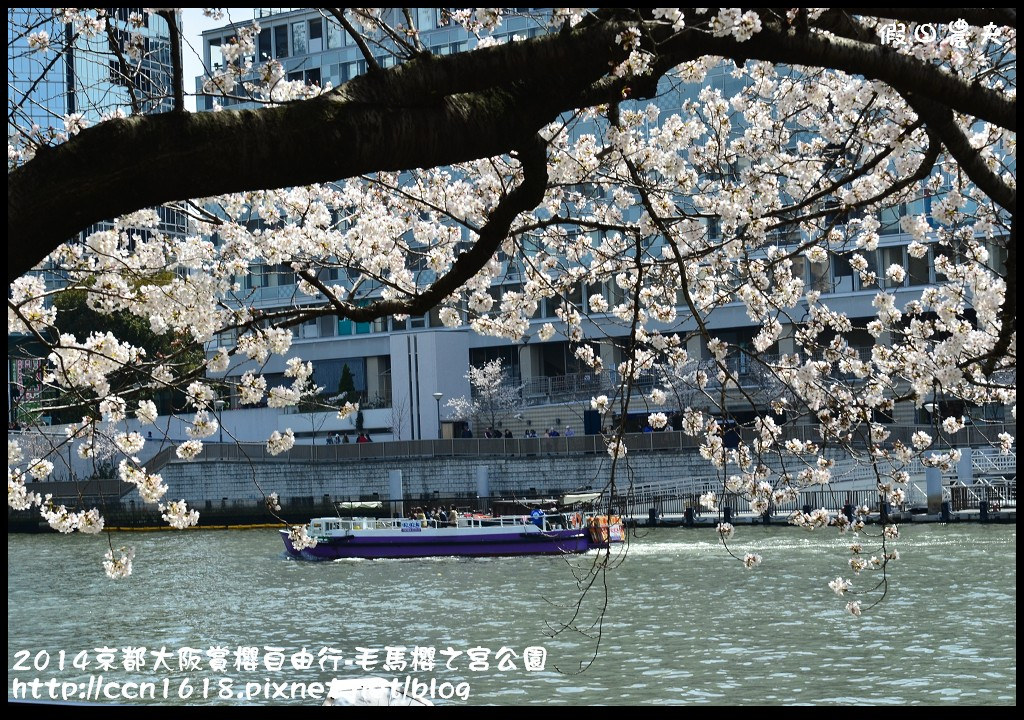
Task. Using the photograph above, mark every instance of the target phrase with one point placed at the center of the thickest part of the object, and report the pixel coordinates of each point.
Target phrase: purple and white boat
(473, 536)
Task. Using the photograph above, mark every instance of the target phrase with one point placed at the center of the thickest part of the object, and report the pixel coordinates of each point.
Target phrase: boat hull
(444, 543)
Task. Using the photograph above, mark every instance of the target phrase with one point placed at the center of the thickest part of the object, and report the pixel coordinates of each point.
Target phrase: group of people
(491, 434)
(436, 517)
(552, 432)
(339, 439)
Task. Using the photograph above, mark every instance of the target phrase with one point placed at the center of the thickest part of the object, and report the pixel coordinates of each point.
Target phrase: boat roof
(359, 504)
(572, 498)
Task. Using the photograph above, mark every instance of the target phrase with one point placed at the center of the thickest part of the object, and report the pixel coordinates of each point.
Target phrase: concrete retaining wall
(216, 480)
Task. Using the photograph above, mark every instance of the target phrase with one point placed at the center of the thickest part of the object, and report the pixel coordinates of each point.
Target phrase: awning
(360, 505)
(573, 498)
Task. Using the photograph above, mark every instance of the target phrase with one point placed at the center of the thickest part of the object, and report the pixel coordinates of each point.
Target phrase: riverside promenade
(663, 474)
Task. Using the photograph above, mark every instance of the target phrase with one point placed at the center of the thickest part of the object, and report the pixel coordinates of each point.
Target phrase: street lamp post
(437, 397)
(219, 405)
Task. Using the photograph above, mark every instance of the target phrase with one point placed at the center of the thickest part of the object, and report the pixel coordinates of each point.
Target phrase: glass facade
(91, 76)
(88, 77)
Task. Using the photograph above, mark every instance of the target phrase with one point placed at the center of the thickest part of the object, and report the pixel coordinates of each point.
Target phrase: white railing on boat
(556, 521)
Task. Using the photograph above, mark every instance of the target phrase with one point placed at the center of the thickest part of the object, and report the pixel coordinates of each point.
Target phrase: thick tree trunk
(427, 112)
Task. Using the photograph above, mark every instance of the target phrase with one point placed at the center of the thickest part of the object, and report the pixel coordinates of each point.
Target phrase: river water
(684, 624)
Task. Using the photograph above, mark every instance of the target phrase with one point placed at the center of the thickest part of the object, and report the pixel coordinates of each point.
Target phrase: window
(799, 263)
(299, 38)
(313, 76)
(282, 275)
(352, 69)
(426, 19)
(872, 260)
(435, 317)
(265, 48)
(576, 296)
(882, 415)
(615, 295)
(281, 40)
(820, 277)
(328, 326)
(309, 329)
(714, 228)
(890, 219)
(216, 58)
(256, 278)
(891, 256)
(316, 36)
(842, 273)
(335, 36)
(919, 269)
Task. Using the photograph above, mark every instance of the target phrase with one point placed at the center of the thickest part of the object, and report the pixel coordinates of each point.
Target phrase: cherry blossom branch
(357, 38)
(941, 120)
(428, 112)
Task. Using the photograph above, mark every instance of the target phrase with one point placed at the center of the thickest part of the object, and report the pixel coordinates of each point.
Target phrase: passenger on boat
(453, 517)
(537, 516)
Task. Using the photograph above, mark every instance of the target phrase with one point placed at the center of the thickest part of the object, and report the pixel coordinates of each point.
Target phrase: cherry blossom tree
(548, 159)
(494, 396)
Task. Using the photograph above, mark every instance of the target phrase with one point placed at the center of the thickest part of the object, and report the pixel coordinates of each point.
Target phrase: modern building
(399, 366)
(91, 73)
(87, 76)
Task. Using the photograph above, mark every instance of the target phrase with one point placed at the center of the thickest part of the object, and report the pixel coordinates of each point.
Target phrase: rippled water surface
(684, 622)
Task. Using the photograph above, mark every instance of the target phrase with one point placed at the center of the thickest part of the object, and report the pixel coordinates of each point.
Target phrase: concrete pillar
(396, 491)
(609, 355)
(696, 348)
(933, 486)
(965, 468)
(787, 343)
(528, 363)
(483, 487)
